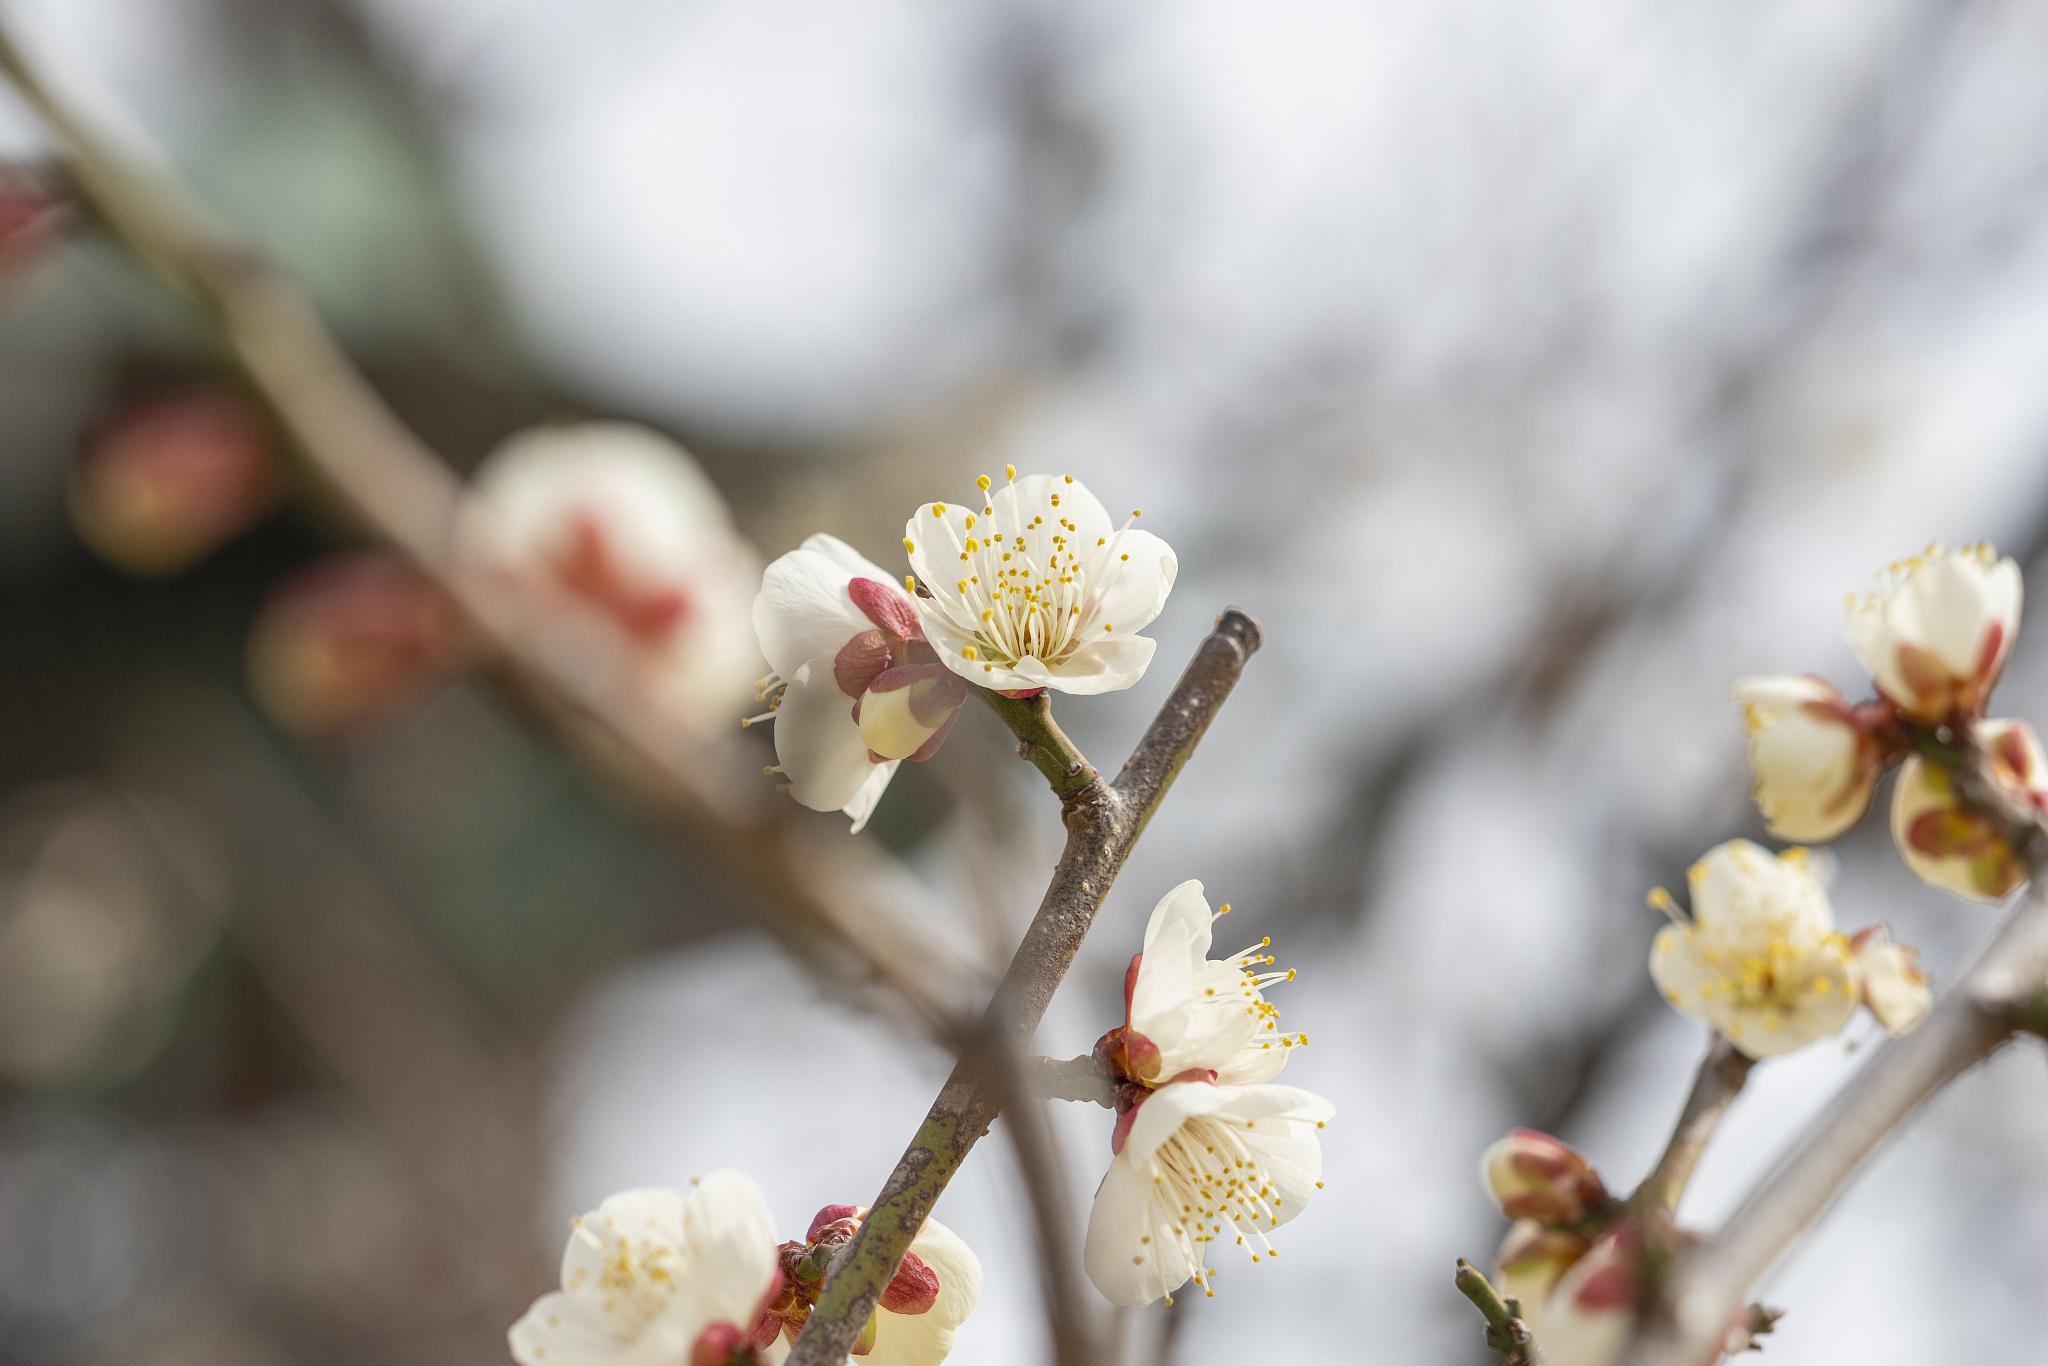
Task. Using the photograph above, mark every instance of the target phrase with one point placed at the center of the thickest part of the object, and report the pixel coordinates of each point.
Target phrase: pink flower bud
(907, 711)
(349, 643)
(31, 218)
(168, 481)
(1534, 1176)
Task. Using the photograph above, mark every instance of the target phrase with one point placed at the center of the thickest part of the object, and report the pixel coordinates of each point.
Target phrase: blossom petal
(1129, 1253)
(958, 1270)
(1137, 571)
(559, 1330)
(1093, 669)
(1188, 908)
(730, 1241)
(819, 746)
(862, 804)
(1173, 1105)
(804, 610)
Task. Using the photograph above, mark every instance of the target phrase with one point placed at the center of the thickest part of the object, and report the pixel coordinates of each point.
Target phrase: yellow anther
(909, 545)
(969, 652)
(982, 481)
(938, 509)
(1009, 471)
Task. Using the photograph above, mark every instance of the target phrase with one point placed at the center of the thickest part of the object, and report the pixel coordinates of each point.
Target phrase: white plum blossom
(854, 689)
(1949, 843)
(1185, 1012)
(1205, 1148)
(1038, 588)
(1815, 759)
(1936, 634)
(1202, 1162)
(1895, 991)
(620, 538)
(1759, 958)
(658, 1278)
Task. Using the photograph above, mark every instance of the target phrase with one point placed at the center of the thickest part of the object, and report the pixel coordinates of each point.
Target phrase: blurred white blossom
(1937, 632)
(1759, 958)
(615, 533)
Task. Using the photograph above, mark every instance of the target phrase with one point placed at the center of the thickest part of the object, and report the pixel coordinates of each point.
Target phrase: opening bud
(1536, 1177)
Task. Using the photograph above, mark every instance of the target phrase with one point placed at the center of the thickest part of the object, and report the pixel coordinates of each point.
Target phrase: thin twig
(1079, 1078)
(1103, 821)
(1721, 1075)
(1506, 1334)
(819, 899)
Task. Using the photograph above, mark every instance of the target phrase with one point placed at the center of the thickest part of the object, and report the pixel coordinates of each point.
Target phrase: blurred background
(1531, 370)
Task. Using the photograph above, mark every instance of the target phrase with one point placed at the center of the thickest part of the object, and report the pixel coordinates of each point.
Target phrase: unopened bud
(169, 480)
(1951, 844)
(349, 643)
(907, 711)
(1534, 1176)
(914, 1289)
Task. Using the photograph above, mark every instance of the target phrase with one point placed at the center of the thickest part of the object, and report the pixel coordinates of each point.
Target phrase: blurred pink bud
(169, 480)
(1534, 1176)
(348, 643)
(31, 219)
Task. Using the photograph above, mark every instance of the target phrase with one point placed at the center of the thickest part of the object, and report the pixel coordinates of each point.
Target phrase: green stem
(1042, 743)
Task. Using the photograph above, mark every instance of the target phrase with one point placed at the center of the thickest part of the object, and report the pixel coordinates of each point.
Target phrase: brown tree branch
(1103, 820)
(1721, 1075)
(821, 898)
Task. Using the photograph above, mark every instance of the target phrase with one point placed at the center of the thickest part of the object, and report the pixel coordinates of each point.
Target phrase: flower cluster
(1206, 1148)
(1037, 589)
(656, 1276)
(1759, 960)
(1569, 1257)
(1934, 637)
